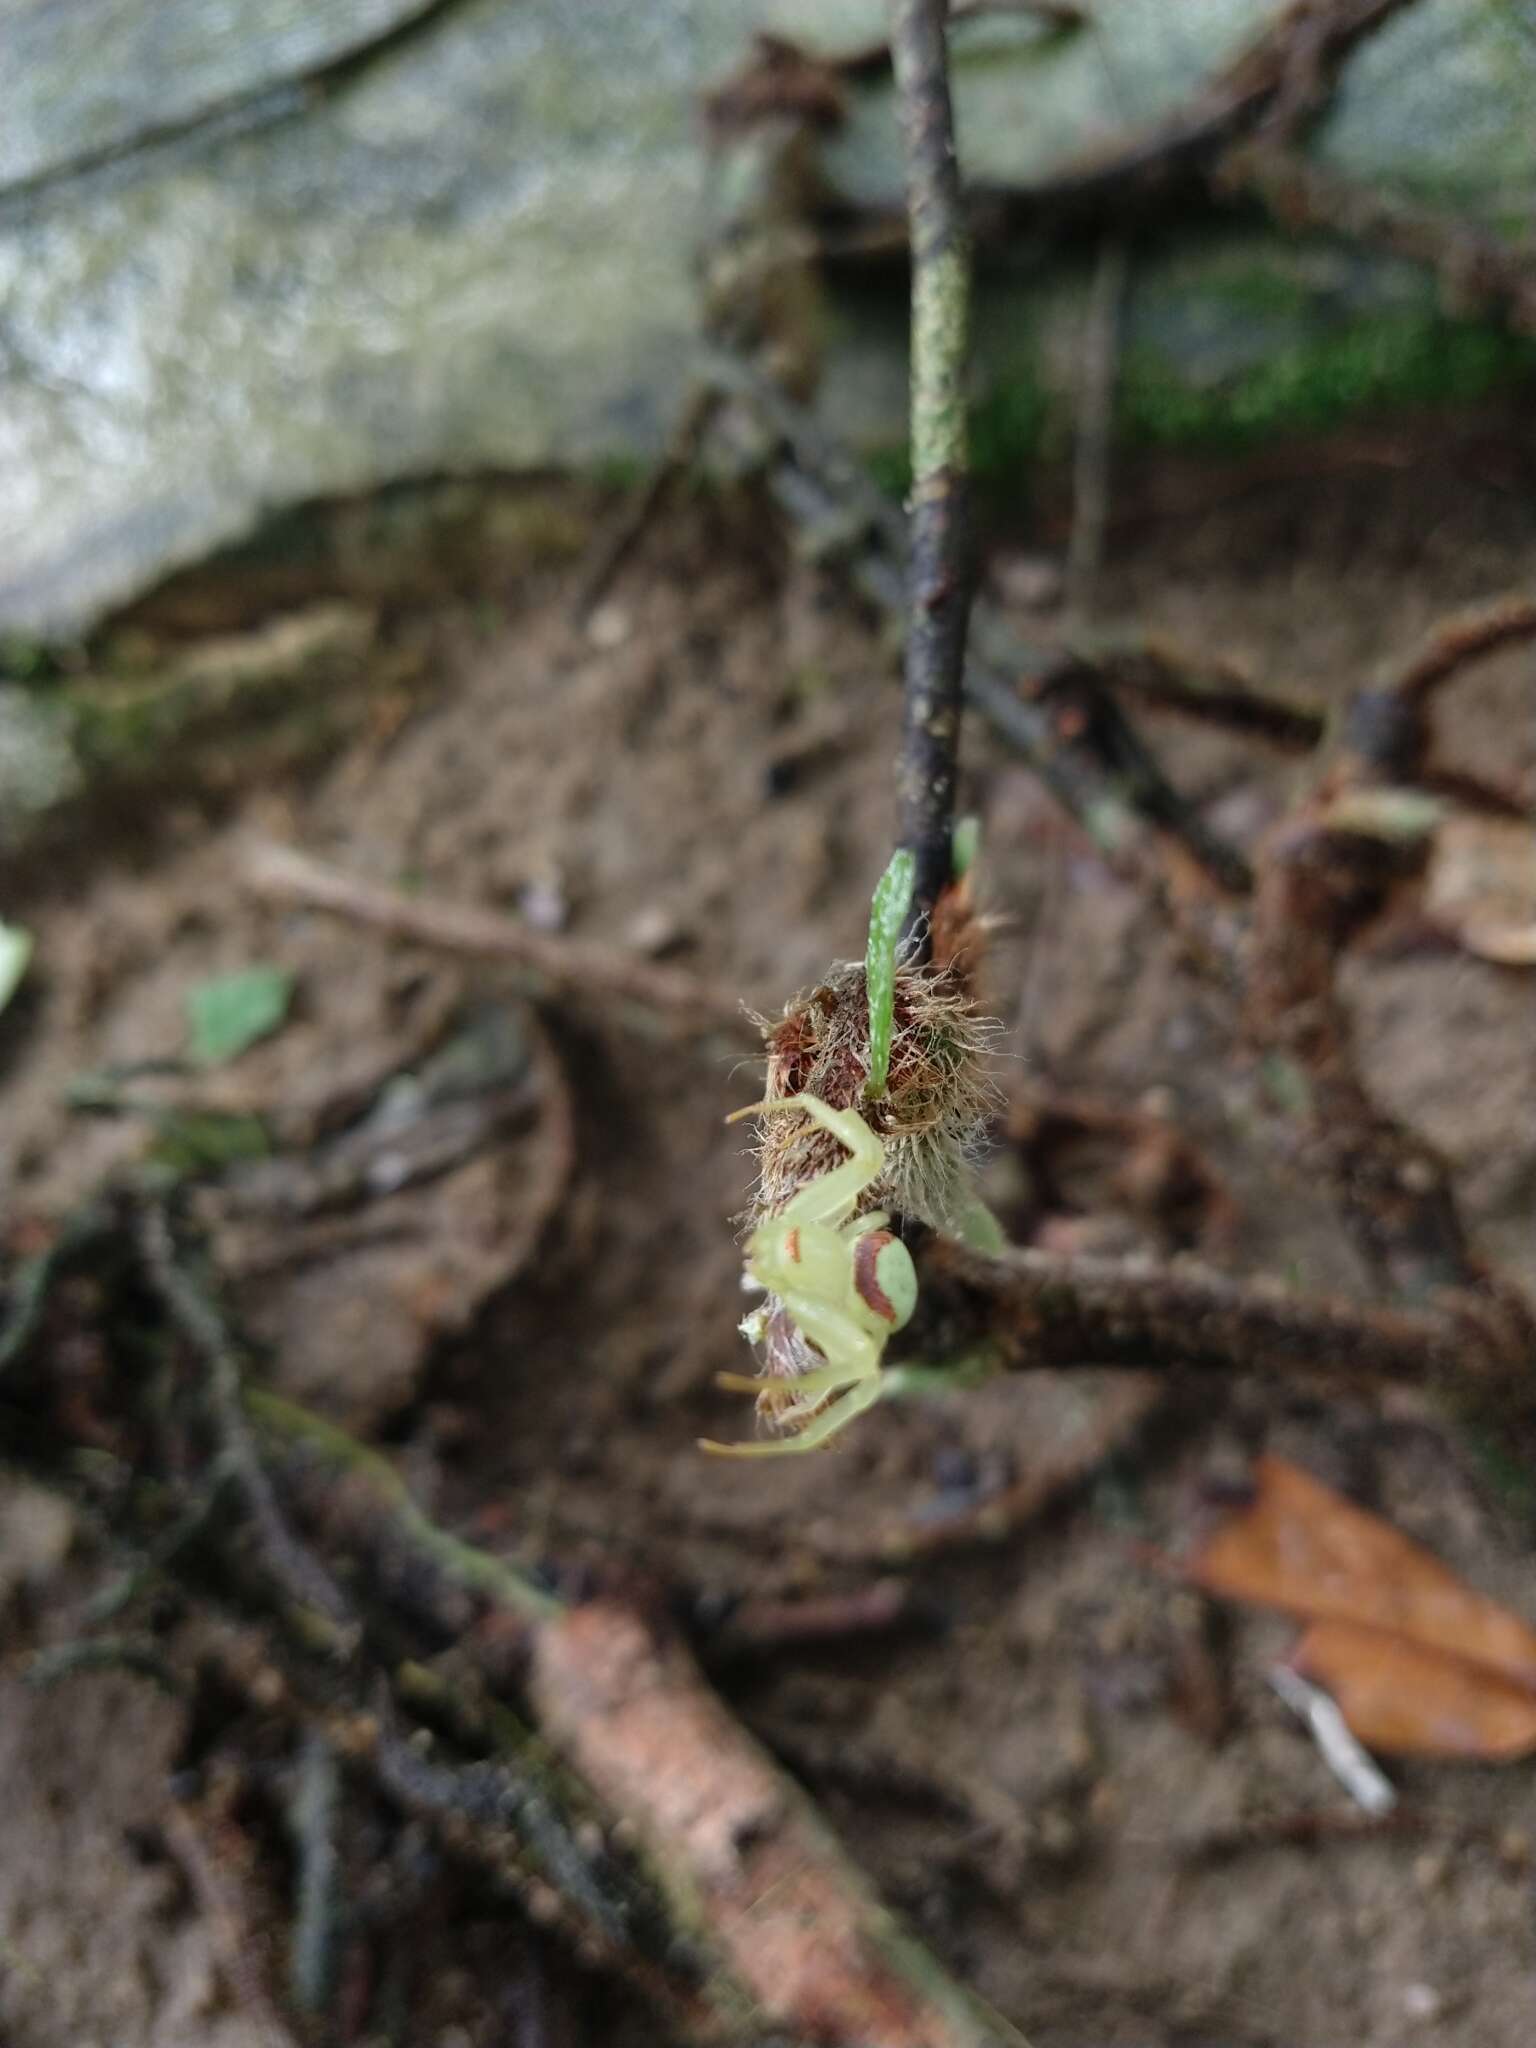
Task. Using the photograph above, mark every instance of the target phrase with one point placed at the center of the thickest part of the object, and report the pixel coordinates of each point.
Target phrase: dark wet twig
(1049, 1309)
(1198, 685)
(938, 564)
(137, 1654)
(1087, 717)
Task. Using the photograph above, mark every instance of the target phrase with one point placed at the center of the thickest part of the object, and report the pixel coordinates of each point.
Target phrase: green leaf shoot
(887, 915)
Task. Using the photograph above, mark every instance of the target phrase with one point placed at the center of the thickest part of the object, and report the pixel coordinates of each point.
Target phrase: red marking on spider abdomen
(792, 1245)
(866, 1256)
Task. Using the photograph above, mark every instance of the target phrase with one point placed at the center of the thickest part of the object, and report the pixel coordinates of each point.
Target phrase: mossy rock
(253, 255)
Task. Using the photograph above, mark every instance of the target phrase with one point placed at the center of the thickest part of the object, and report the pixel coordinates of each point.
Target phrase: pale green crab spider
(846, 1283)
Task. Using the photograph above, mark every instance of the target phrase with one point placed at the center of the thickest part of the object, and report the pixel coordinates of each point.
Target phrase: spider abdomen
(884, 1279)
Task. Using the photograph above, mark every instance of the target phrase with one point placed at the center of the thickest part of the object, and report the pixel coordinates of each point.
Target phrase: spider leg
(830, 1197)
(835, 1416)
(846, 1348)
(861, 1226)
(822, 1382)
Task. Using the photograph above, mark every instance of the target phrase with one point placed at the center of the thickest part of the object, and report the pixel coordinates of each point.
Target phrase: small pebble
(609, 626)
(1422, 2002)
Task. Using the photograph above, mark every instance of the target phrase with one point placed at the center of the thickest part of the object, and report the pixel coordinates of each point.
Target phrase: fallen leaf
(1403, 1699)
(229, 1013)
(1418, 1662)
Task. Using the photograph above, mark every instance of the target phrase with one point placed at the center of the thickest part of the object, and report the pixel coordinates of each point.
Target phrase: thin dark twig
(137, 1654)
(1173, 678)
(1041, 1309)
(618, 542)
(938, 574)
(1463, 638)
(193, 1310)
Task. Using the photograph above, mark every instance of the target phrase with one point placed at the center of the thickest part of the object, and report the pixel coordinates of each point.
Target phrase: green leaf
(965, 846)
(15, 952)
(887, 915)
(229, 1013)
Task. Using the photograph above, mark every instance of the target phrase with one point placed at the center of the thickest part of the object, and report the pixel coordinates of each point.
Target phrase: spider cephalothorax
(846, 1283)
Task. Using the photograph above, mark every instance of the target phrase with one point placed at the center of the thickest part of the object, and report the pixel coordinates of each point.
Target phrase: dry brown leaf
(1403, 1699)
(1418, 1662)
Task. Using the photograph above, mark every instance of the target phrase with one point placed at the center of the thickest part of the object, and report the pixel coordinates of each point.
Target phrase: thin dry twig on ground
(939, 565)
(281, 874)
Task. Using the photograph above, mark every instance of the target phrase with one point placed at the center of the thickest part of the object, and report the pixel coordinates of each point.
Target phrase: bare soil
(1028, 1775)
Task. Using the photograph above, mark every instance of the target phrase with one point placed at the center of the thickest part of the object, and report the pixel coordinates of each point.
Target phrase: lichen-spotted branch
(938, 575)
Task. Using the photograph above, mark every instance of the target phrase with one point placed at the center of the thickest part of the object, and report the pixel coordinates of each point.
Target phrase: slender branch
(1173, 678)
(938, 572)
(1042, 1309)
(1465, 637)
(282, 874)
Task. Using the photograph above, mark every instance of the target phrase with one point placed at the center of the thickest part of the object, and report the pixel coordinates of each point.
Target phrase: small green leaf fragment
(965, 846)
(198, 1142)
(231, 1012)
(15, 952)
(975, 1225)
(887, 915)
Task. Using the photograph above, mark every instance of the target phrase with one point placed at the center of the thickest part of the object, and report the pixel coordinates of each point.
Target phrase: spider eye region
(884, 1279)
